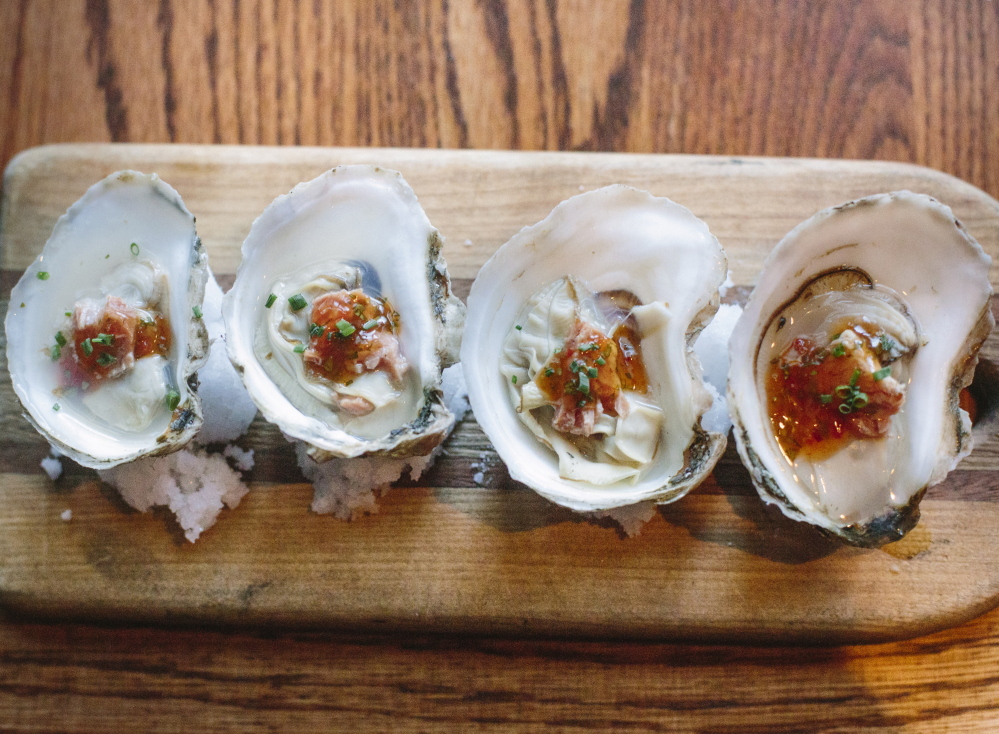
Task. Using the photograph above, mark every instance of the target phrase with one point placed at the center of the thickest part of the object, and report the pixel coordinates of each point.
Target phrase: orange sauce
(152, 337)
(818, 401)
(609, 364)
(339, 343)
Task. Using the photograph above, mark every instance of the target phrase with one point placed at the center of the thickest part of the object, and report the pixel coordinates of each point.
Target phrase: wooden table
(911, 81)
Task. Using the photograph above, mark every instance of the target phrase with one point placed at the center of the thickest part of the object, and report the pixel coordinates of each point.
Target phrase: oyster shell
(559, 291)
(864, 326)
(364, 379)
(124, 259)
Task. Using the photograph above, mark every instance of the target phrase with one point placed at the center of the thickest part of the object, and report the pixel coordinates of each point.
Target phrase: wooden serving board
(446, 555)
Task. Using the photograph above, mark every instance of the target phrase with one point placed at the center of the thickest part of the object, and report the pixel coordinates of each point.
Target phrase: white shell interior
(90, 240)
(351, 214)
(613, 238)
(910, 244)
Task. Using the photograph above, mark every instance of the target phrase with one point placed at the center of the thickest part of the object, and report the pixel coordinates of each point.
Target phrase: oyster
(104, 334)
(342, 318)
(577, 350)
(848, 361)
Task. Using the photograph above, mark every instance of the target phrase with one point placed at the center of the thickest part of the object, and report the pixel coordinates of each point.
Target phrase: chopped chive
(270, 300)
(107, 256)
(581, 403)
(134, 247)
(601, 361)
(514, 379)
(197, 312)
(518, 327)
(549, 372)
(584, 383)
(42, 275)
(825, 399)
(589, 347)
(839, 350)
(359, 309)
(845, 408)
(69, 313)
(576, 365)
(348, 383)
(105, 339)
(854, 378)
(859, 400)
(316, 330)
(55, 352)
(368, 325)
(104, 359)
(882, 374)
(60, 339)
(345, 328)
(88, 348)
(887, 344)
(297, 302)
(172, 399)
(299, 348)
(591, 372)
(56, 407)
(837, 335)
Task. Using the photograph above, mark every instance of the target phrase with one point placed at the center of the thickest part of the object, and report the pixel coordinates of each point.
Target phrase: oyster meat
(577, 351)
(104, 334)
(848, 361)
(342, 318)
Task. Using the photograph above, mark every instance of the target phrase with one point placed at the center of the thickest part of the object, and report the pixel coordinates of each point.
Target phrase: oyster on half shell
(341, 318)
(103, 331)
(577, 351)
(848, 361)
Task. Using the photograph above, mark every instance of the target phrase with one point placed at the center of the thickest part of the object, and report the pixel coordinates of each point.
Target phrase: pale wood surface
(446, 555)
(905, 80)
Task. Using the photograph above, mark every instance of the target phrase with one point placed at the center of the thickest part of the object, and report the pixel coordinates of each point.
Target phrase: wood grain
(909, 80)
(445, 554)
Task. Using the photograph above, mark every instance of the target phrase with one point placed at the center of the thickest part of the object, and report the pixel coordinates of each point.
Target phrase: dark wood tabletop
(898, 80)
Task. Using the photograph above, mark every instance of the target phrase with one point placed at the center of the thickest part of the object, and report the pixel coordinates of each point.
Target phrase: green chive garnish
(270, 300)
(69, 313)
(299, 348)
(549, 372)
(601, 361)
(514, 379)
(591, 372)
(134, 247)
(576, 366)
(359, 309)
(297, 302)
(172, 399)
(345, 328)
(56, 406)
(882, 374)
(88, 348)
(105, 339)
(42, 275)
(825, 399)
(588, 347)
(886, 344)
(104, 359)
(316, 330)
(197, 312)
(370, 324)
(839, 350)
(518, 327)
(55, 352)
(60, 339)
(584, 383)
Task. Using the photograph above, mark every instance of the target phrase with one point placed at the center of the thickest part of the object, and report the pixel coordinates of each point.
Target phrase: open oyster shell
(620, 245)
(897, 265)
(354, 229)
(129, 238)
